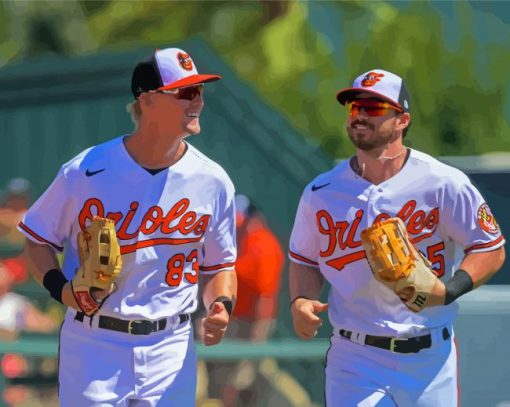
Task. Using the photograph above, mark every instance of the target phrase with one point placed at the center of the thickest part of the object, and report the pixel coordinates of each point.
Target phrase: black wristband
(297, 298)
(227, 302)
(54, 281)
(460, 284)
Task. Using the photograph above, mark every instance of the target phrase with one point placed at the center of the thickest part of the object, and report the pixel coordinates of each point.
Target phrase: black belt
(398, 345)
(135, 326)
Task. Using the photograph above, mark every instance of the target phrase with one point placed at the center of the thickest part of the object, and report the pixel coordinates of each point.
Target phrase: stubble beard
(377, 141)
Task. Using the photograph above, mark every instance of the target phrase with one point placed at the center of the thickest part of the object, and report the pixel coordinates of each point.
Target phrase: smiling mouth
(361, 126)
(193, 115)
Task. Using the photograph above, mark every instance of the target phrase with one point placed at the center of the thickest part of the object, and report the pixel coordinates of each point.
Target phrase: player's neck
(154, 151)
(379, 165)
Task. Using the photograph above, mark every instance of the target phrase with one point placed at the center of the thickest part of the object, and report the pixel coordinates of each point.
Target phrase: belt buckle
(133, 323)
(393, 343)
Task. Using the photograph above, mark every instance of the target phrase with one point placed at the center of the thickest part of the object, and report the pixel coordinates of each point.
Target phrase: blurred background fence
(273, 124)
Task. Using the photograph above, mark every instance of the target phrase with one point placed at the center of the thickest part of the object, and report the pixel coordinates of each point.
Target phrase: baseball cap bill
(380, 83)
(167, 69)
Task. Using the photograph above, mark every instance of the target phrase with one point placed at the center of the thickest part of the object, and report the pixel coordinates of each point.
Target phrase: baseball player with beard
(387, 350)
(174, 217)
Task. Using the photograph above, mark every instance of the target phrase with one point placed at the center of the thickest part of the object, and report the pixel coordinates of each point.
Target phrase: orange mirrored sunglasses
(373, 108)
(188, 93)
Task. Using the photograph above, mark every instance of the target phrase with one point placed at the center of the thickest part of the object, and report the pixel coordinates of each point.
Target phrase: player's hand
(68, 297)
(305, 316)
(214, 325)
(437, 294)
(100, 295)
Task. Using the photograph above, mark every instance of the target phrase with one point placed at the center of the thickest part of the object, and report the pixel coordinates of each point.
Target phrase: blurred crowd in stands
(259, 267)
(20, 314)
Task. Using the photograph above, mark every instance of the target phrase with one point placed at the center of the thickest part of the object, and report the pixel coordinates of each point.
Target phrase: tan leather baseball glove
(396, 263)
(100, 264)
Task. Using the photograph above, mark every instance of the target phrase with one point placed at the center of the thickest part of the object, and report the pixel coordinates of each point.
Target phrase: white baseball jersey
(171, 226)
(446, 218)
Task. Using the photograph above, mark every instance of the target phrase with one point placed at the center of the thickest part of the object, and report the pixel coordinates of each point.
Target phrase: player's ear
(403, 121)
(145, 99)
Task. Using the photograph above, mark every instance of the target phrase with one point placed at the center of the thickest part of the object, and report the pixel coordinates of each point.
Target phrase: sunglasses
(187, 93)
(373, 108)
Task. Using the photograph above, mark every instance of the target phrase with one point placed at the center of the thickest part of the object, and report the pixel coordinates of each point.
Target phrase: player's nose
(362, 113)
(198, 101)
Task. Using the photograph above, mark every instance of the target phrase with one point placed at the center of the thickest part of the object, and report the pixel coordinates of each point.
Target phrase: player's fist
(214, 325)
(435, 297)
(305, 317)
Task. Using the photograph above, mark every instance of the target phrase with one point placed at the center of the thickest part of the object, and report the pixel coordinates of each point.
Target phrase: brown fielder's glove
(100, 264)
(396, 262)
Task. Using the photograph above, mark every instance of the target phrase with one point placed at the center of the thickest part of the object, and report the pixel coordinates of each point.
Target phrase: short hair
(135, 112)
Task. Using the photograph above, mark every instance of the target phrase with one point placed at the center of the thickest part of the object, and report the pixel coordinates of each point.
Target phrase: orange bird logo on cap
(371, 79)
(185, 61)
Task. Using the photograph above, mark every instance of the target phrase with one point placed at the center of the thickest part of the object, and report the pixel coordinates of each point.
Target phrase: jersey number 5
(436, 258)
(176, 265)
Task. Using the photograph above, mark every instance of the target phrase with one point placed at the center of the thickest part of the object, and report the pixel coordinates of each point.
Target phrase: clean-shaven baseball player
(382, 353)
(175, 222)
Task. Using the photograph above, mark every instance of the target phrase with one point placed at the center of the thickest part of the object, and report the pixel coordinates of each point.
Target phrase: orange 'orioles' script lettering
(178, 219)
(341, 233)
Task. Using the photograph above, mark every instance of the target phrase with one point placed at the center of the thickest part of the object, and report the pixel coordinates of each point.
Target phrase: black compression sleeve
(54, 281)
(460, 284)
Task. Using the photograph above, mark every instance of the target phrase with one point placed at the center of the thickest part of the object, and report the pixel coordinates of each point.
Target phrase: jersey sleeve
(220, 249)
(48, 221)
(468, 219)
(304, 242)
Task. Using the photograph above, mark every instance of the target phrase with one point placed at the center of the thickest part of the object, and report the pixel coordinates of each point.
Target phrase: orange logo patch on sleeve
(371, 79)
(185, 61)
(486, 219)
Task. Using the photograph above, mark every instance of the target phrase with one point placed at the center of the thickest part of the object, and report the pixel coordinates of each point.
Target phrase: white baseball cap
(167, 69)
(381, 83)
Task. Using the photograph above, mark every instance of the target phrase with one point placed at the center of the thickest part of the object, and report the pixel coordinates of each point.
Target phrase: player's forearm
(304, 281)
(40, 258)
(482, 266)
(221, 284)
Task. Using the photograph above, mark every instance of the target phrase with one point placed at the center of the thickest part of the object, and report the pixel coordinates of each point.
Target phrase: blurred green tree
(453, 55)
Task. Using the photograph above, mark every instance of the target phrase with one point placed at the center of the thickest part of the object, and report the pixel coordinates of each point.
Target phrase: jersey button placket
(363, 205)
(372, 207)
